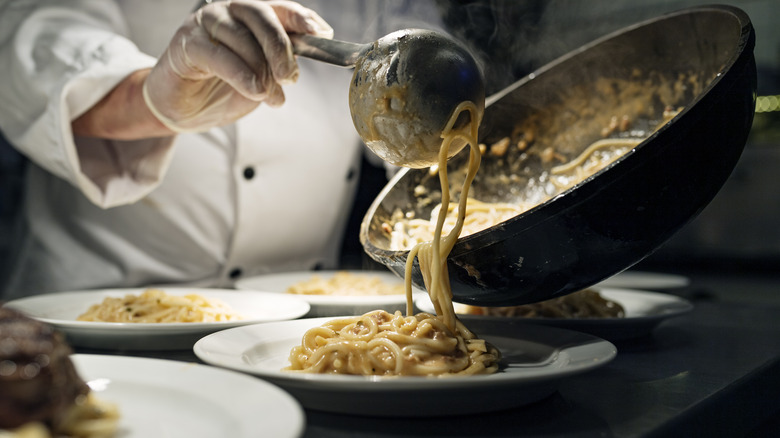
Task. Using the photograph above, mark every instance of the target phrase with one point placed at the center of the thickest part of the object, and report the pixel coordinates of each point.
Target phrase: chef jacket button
(350, 173)
(249, 172)
(235, 273)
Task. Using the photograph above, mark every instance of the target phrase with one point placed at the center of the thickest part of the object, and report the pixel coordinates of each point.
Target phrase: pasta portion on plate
(343, 283)
(383, 344)
(156, 306)
(587, 303)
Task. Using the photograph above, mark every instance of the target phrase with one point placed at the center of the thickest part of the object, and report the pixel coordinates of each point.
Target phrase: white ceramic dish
(643, 312)
(534, 361)
(645, 281)
(162, 398)
(331, 305)
(62, 309)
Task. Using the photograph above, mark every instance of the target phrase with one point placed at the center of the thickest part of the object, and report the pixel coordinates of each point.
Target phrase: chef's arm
(226, 59)
(59, 63)
(76, 68)
(122, 114)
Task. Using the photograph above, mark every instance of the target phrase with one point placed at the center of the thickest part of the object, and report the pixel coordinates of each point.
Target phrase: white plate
(331, 305)
(645, 281)
(162, 398)
(535, 359)
(62, 309)
(643, 312)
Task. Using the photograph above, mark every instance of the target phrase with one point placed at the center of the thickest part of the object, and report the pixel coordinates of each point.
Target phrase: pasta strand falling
(384, 344)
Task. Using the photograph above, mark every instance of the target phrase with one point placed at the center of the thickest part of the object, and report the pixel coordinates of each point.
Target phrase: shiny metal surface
(404, 91)
(405, 87)
(621, 214)
(341, 53)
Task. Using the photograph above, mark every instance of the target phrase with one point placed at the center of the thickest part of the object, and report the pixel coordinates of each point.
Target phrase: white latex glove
(225, 60)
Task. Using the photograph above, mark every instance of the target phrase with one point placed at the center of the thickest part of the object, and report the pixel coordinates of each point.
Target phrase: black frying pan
(699, 59)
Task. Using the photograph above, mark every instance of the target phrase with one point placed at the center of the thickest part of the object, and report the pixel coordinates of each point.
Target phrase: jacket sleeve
(60, 58)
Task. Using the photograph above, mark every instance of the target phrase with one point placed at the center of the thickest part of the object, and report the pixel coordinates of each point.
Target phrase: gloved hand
(225, 60)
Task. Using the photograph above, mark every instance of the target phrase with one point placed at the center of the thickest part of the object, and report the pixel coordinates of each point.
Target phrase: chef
(168, 146)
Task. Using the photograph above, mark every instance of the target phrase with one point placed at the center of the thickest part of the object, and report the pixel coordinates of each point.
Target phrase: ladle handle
(341, 53)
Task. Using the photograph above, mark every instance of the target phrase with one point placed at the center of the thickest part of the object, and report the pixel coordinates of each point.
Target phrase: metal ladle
(405, 87)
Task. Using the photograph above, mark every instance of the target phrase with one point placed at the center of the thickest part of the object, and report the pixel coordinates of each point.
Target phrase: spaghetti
(587, 303)
(378, 343)
(156, 306)
(383, 344)
(406, 232)
(343, 283)
(479, 216)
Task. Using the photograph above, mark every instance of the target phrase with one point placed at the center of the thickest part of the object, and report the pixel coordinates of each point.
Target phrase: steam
(512, 38)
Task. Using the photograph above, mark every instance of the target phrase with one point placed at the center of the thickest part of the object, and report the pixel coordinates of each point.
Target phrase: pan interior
(620, 88)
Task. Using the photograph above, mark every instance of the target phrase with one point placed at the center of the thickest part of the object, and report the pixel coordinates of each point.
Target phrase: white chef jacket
(270, 193)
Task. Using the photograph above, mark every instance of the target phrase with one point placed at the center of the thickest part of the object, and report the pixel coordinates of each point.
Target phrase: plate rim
(358, 383)
(247, 386)
(331, 300)
(651, 280)
(161, 329)
(681, 307)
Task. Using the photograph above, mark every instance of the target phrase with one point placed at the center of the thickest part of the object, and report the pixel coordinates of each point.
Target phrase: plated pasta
(156, 306)
(587, 303)
(383, 344)
(343, 283)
